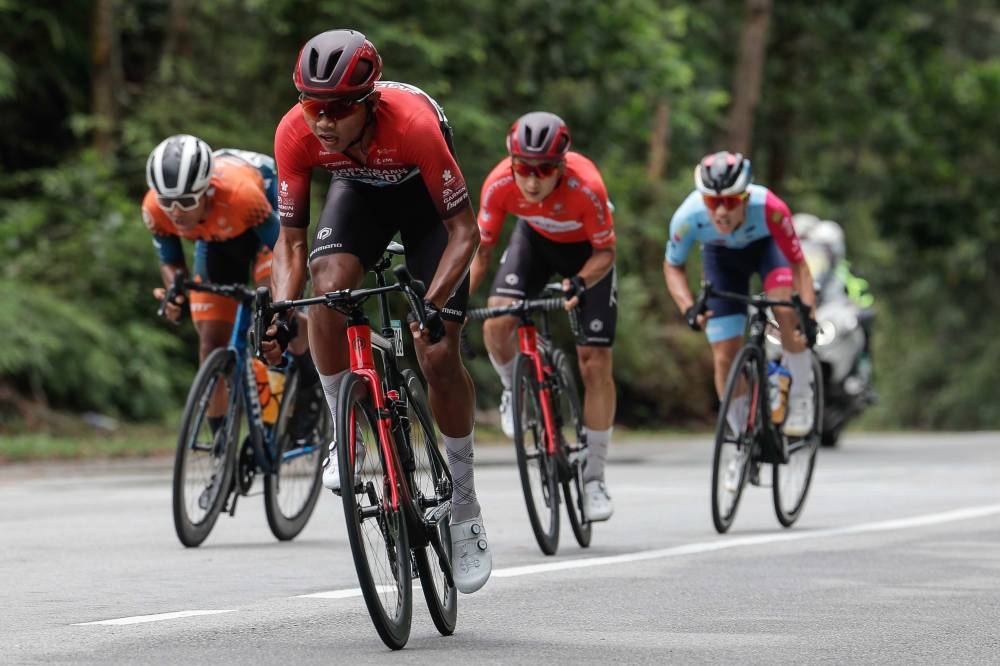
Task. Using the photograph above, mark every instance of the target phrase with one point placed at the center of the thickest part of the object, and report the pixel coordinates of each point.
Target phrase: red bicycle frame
(527, 339)
(359, 337)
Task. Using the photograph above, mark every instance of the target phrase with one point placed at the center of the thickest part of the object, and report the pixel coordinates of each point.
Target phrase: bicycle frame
(527, 338)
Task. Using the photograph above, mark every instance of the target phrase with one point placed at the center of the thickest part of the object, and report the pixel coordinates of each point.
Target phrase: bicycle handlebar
(181, 285)
(803, 310)
(518, 308)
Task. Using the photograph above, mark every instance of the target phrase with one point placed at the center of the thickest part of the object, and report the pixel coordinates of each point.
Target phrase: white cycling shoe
(506, 414)
(331, 466)
(471, 559)
(597, 505)
(801, 414)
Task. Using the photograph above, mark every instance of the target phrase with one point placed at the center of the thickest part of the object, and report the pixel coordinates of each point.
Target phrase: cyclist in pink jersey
(388, 149)
(564, 226)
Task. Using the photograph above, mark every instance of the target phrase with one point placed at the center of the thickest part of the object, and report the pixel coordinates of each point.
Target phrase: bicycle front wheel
(733, 450)
(791, 480)
(539, 477)
(291, 491)
(432, 487)
(206, 452)
(375, 529)
(570, 419)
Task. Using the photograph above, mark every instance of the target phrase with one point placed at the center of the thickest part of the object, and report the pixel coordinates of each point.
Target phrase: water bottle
(778, 381)
(270, 386)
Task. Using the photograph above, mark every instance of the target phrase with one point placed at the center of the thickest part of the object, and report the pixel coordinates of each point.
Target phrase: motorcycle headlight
(826, 334)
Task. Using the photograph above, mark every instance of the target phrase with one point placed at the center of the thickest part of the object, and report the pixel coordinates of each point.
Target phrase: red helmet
(538, 135)
(341, 63)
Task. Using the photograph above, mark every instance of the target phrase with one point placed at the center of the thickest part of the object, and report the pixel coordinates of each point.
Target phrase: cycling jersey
(577, 209)
(766, 215)
(407, 143)
(238, 203)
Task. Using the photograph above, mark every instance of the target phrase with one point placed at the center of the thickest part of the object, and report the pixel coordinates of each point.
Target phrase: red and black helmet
(337, 63)
(538, 135)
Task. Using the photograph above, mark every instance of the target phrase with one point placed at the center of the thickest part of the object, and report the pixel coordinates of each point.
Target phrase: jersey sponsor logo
(447, 175)
(681, 232)
(452, 311)
(324, 233)
(552, 226)
(284, 187)
(382, 176)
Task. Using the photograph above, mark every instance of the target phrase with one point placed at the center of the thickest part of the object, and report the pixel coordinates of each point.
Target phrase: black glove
(577, 287)
(434, 325)
(287, 329)
(691, 317)
(810, 328)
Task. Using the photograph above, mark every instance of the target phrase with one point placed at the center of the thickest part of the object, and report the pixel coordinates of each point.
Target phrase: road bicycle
(548, 423)
(739, 456)
(214, 466)
(396, 486)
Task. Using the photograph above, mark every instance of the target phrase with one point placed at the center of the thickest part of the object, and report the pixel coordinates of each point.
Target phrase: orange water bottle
(268, 403)
(778, 380)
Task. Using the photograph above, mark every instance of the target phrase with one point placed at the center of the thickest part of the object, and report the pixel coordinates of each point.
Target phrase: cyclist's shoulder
(259, 161)
(154, 218)
(499, 183)
(692, 209)
(404, 107)
(235, 180)
(582, 173)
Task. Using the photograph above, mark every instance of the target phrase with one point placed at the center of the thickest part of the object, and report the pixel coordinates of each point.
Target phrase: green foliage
(880, 115)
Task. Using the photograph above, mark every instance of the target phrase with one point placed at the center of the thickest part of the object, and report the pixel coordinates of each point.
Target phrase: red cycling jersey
(408, 141)
(238, 203)
(577, 209)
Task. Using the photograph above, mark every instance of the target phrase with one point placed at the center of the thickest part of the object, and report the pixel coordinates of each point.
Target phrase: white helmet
(181, 165)
(804, 224)
(830, 234)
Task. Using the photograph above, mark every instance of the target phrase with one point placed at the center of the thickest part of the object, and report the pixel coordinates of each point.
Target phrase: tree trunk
(177, 44)
(748, 75)
(105, 59)
(659, 141)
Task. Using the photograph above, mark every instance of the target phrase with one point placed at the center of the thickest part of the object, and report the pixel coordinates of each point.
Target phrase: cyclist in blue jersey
(742, 229)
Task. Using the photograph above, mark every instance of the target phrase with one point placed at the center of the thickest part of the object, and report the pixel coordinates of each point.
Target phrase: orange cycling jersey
(577, 209)
(238, 203)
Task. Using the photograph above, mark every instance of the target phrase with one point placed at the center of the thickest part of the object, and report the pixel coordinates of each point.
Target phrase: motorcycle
(843, 348)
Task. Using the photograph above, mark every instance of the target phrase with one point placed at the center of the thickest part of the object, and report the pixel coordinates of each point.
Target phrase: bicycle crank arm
(434, 515)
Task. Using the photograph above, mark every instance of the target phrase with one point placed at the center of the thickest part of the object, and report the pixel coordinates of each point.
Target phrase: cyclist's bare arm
(802, 282)
(463, 241)
(677, 285)
(479, 265)
(597, 266)
(288, 272)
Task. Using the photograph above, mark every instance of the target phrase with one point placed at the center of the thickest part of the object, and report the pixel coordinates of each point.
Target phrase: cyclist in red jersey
(564, 226)
(219, 200)
(388, 148)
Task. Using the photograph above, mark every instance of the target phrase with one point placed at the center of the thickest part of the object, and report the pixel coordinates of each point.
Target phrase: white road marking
(722, 543)
(139, 619)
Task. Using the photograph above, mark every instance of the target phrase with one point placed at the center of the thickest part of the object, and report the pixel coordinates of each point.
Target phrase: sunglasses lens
(336, 109)
(186, 202)
(730, 202)
(543, 170)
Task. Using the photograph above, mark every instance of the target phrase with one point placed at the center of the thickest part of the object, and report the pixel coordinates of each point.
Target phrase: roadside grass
(131, 441)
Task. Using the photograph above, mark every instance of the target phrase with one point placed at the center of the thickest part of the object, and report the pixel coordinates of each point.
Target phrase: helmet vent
(361, 72)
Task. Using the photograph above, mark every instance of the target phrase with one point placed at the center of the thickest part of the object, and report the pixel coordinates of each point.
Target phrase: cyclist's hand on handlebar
(434, 324)
(810, 328)
(573, 289)
(697, 320)
(276, 339)
(172, 309)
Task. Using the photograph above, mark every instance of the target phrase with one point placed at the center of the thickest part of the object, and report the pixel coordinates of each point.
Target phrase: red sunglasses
(543, 170)
(729, 202)
(334, 109)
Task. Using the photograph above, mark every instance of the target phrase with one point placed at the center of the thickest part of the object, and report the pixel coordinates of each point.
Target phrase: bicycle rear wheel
(376, 530)
(791, 481)
(570, 417)
(203, 465)
(291, 491)
(432, 487)
(733, 451)
(539, 476)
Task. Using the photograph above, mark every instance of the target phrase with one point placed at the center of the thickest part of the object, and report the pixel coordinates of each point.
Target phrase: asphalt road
(895, 560)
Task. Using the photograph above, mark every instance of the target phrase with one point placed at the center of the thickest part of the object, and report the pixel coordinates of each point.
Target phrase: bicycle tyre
(292, 489)
(192, 526)
(570, 417)
(431, 481)
(530, 441)
(748, 368)
(791, 481)
(378, 540)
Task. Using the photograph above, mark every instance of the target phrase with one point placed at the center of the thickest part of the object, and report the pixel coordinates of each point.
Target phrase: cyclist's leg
(451, 394)
(728, 270)
(520, 274)
(348, 240)
(777, 276)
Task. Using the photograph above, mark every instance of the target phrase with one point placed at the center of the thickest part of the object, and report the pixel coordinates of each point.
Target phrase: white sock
(800, 368)
(464, 504)
(597, 453)
(736, 416)
(331, 387)
(506, 371)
